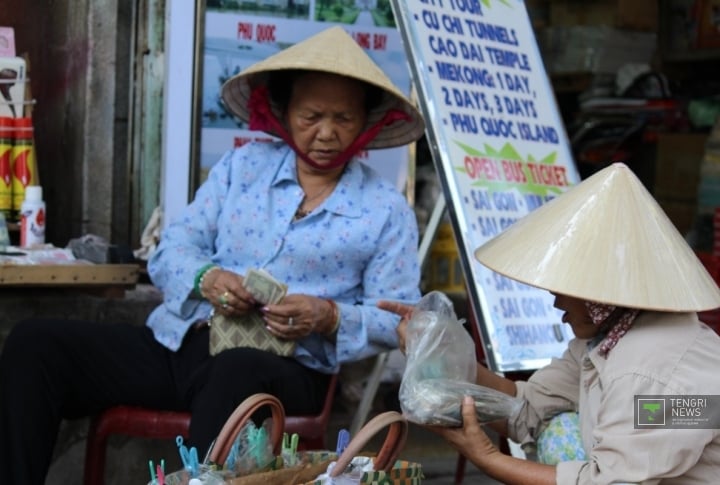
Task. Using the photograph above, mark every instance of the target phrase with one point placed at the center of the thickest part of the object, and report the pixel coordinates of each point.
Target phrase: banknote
(263, 287)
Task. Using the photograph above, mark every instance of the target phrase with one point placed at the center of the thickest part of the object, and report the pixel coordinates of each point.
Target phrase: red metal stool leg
(460, 469)
(312, 429)
(129, 421)
(95, 454)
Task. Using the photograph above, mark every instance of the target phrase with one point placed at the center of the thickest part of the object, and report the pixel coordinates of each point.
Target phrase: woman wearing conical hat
(630, 288)
(303, 209)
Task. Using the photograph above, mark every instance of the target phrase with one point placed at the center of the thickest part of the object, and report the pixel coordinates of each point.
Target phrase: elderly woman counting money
(323, 236)
(630, 288)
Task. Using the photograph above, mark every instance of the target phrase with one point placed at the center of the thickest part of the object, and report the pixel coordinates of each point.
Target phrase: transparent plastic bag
(441, 368)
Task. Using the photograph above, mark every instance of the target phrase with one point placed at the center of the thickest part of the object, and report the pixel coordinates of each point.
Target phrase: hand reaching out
(405, 311)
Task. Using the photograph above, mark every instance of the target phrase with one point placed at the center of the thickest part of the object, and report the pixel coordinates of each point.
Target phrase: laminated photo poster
(234, 39)
(500, 150)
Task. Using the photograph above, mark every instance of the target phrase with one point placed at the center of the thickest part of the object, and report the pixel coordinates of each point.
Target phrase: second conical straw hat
(606, 240)
(333, 51)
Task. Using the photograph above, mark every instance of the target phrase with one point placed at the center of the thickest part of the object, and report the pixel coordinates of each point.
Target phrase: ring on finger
(290, 322)
(225, 306)
(223, 299)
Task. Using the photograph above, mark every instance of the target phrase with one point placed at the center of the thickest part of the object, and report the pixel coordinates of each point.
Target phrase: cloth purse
(246, 331)
(249, 330)
(388, 470)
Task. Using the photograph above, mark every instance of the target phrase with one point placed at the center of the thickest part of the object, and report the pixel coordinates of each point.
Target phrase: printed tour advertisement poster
(238, 34)
(500, 150)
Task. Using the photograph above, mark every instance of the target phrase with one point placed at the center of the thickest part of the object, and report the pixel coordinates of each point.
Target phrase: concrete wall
(82, 55)
(79, 68)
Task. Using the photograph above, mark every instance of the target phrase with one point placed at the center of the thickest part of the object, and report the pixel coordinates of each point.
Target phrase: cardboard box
(539, 13)
(635, 15)
(7, 42)
(12, 86)
(594, 48)
(708, 24)
(677, 165)
(682, 213)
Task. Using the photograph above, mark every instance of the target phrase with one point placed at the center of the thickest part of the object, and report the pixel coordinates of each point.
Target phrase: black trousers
(52, 370)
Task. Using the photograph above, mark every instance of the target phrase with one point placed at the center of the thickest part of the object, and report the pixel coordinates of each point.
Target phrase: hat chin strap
(263, 119)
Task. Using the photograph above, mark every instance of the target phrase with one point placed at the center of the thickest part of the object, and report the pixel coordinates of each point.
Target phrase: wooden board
(68, 275)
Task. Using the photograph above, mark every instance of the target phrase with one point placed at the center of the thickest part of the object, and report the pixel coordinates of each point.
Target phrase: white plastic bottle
(32, 217)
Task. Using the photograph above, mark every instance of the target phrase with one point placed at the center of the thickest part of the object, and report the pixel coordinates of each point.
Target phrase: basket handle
(240, 416)
(391, 448)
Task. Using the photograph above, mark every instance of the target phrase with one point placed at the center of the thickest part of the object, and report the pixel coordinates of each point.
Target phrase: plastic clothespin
(289, 448)
(188, 457)
(257, 439)
(153, 477)
(343, 440)
(233, 455)
(161, 473)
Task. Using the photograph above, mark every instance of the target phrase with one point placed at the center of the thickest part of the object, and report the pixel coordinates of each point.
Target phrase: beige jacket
(663, 353)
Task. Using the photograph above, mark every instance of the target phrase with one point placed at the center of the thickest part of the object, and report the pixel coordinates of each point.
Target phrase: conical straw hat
(605, 240)
(333, 51)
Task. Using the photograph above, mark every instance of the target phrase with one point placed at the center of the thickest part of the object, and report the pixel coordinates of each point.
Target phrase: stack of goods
(18, 167)
(708, 220)
(709, 187)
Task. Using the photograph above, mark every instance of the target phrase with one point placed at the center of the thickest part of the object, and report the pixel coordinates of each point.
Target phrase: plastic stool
(157, 424)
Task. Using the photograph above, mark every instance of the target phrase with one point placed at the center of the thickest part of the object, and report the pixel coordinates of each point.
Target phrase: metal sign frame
(469, 129)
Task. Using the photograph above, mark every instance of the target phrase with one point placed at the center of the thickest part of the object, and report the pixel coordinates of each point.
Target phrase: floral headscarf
(616, 321)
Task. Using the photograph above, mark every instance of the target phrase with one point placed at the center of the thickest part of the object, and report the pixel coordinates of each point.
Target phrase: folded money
(263, 287)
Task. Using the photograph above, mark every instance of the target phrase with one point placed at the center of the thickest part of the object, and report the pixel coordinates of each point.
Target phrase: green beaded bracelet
(198, 276)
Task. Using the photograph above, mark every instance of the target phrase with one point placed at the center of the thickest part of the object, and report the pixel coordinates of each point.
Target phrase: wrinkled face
(576, 315)
(325, 114)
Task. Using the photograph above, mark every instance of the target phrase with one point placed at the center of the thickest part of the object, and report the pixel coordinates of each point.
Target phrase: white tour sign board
(500, 150)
